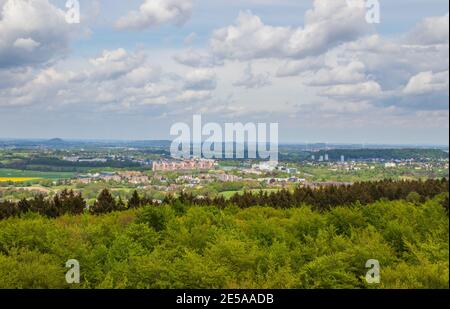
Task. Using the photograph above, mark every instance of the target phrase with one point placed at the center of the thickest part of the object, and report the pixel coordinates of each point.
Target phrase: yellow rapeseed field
(17, 179)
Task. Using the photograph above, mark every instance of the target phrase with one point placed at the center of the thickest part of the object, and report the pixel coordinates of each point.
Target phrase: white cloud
(157, 12)
(365, 90)
(190, 96)
(201, 79)
(109, 56)
(353, 72)
(334, 68)
(196, 58)
(432, 30)
(26, 44)
(116, 79)
(32, 32)
(14, 76)
(295, 67)
(384, 72)
(249, 39)
(36, 88)
(392, 62)
(142, 75)
(251, 80)
(116, 63)
(427, 82)
(327, 25)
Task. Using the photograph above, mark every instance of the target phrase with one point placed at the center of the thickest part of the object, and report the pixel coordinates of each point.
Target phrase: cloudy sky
(131, 69)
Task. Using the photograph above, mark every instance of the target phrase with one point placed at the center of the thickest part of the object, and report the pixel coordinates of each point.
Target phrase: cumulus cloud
(201, 79)
(432, 30)
(37, 87)
(351, 73)
(392, 62)
(365, 90)
(141, 75)
(14, 76)
(328, 24)
(385, 72)
(157, 12)
(26, 44)
(117, 78)
(249, 38)
(190, 96)
(334, 67)
(295, 67)
(251, 80)
(197, 58)
(337, 53)
(32, 32)
(427, 82)
(115, 63)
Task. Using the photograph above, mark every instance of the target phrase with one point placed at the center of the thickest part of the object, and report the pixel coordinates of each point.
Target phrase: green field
(378, 172)
(10, 173)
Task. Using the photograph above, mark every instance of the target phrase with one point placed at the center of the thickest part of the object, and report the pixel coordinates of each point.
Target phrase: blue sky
(131, 69)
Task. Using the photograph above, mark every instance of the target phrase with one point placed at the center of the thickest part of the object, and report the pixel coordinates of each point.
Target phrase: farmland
(17, 179)
(21, 175)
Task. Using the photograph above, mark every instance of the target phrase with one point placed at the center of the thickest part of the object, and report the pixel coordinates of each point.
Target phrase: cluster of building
(134, 177)
(185, 165)
(196, 180)
(325, 158)
(270, 166)
(350, 166)
(130, 177)
(411, 164)
(267, 166)
(228, 178)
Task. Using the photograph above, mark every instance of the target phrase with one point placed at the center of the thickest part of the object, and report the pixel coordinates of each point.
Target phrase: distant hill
(55, 141)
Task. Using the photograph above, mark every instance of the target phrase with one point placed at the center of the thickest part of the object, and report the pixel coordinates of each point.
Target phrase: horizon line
(280, 143)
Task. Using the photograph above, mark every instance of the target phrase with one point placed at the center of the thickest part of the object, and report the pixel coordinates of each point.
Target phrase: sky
(319, 68)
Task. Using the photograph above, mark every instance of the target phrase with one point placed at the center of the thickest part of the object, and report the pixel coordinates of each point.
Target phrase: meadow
(25, 175)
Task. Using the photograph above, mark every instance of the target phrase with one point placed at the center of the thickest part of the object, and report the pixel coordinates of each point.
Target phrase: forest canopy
(174, 246)
(181, 244)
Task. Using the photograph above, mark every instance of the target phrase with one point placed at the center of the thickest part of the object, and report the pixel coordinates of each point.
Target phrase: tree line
(326, 197)
(384, 154)
(323, 198)
(46, 164)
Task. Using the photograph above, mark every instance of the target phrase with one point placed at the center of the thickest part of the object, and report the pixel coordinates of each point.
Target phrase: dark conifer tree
(105, 203)
(134, 201)
(120, 205)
